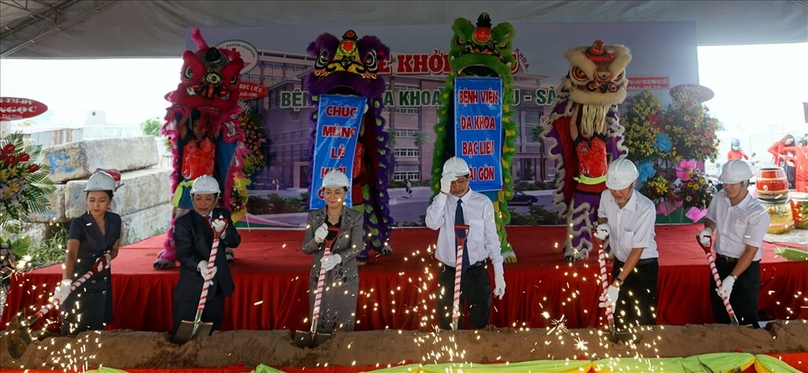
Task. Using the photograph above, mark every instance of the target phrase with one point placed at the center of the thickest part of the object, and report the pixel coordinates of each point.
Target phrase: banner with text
(338, 121)
(478, 130)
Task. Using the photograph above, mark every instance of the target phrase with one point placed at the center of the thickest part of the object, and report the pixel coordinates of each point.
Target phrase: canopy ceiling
(113, 28)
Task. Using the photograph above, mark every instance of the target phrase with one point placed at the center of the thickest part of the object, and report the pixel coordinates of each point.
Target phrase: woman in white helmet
(94, 234)
(338, 307)
(741, 223)
(626, 218)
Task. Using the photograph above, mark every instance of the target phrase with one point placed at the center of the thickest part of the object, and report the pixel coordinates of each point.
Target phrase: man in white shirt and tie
(458, 204)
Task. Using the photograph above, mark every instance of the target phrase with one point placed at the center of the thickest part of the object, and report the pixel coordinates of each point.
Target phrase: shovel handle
(724, 299)
(458, 274)
(101, 264)
(708, 250)
(214, 249)
(318, 292)
(604, 284)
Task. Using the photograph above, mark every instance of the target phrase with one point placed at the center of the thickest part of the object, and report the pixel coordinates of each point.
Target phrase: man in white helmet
(741, 224)
(193, 236)
(457, 203)
(626, 218)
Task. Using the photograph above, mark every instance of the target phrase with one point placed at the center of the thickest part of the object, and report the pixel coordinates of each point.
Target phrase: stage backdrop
(664, 55)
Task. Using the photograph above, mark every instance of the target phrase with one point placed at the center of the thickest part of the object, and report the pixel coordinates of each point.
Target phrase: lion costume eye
(578, 74)
(372, 61)
(188, 73)
(322, 59)
(619, 76)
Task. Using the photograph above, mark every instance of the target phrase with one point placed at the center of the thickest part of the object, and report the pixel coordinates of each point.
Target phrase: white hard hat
(456, 166)
(205, 184)
(100, 181)
(735, 171)
(622, 172)
(335, 179)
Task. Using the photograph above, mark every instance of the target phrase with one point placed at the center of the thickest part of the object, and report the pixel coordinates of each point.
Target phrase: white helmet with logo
(100, 181)
(456, 166)
(205, 184)
(335, 179)
(622, 172)
(735, 171)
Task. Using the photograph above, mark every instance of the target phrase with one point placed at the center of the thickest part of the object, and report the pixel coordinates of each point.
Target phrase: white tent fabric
(112, 29)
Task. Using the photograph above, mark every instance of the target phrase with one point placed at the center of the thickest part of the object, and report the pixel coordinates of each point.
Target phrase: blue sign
(478, 130)
(338, 121)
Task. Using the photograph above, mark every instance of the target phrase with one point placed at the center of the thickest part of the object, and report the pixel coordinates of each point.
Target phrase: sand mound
(129, 349)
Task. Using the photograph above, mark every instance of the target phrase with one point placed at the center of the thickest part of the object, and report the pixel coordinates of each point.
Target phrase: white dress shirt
(632, 226)
(478, 213)
(737, 226)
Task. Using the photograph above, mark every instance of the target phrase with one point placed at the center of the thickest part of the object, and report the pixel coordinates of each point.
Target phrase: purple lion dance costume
(583, 134)
(349, 66)
(203, 127)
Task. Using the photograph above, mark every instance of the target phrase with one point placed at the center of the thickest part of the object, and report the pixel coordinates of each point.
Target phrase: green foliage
(27, 256)
(533, 185)
(151, 127)
(396, 184)
(640, 133)
(24, 184)
(537, 215)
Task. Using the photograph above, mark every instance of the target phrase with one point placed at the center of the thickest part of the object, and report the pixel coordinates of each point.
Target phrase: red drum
(799, 206)
(771, 184)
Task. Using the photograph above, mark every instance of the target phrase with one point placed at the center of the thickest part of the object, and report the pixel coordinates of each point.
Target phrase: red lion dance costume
(583, 133)
(203, 127)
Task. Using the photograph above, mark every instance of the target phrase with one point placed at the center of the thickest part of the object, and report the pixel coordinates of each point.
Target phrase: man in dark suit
(193, 235)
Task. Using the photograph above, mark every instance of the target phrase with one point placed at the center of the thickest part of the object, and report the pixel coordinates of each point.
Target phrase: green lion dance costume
(480, 51)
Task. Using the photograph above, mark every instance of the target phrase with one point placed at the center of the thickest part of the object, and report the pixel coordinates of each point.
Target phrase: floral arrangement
(239, 197)
(689, 127)
(24, 184)
(640, 136)
(696, 191)
(253, 140)
(658, 189)
(664, 145)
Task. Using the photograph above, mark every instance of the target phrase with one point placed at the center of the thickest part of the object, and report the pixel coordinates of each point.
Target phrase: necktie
(461, 233)
(207, 221)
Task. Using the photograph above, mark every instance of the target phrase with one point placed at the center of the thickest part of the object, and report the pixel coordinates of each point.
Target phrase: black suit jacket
(193, 239)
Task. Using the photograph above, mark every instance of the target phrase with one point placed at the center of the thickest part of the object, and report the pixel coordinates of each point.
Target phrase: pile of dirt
(130, 349)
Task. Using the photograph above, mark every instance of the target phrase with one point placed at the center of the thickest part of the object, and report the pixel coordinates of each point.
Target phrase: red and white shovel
(614, 335)
(312, 338)
(19, 332)
(191, 329)
(458, 274)
(710, 259)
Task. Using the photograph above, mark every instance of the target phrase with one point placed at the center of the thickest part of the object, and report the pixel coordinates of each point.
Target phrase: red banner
(648, 82)
(12, 108)
(250, 90)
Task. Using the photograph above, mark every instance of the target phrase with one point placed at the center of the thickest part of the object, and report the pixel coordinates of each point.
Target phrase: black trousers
(744, 296)
(475, 291)
(213, 313)
(636, 304)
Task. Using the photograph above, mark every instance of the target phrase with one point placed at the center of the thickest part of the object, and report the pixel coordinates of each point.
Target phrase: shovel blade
(18, 336)
(303, 339)
(320, 338)
(189, 330)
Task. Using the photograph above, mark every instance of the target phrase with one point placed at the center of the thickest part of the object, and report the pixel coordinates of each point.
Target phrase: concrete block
(56, 212)
(141, 189)
(146, 223)
(78, 160)
(38, 232)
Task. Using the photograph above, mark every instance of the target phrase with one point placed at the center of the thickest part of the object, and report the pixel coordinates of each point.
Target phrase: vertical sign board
(478, 130)
(338, 121)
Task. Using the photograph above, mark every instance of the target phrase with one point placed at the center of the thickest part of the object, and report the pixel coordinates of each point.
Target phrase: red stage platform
(397, 291)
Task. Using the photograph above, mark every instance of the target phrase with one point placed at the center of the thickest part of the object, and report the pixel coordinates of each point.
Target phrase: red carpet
(271, 288)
